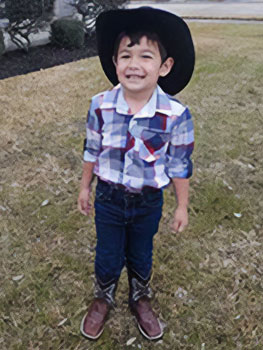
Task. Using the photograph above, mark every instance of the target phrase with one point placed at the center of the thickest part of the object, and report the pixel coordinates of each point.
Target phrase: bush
(67, 33)
(2, 43)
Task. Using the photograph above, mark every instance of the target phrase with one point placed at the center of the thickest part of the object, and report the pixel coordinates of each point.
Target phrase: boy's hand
(83, 201)
(180, 219)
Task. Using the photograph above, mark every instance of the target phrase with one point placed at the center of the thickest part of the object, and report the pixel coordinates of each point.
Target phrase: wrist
(85, 187)
(182, 206)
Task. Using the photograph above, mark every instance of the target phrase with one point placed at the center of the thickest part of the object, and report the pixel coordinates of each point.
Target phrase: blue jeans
(125, 223)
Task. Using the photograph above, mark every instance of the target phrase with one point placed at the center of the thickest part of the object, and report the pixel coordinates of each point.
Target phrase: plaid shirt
(145, 149)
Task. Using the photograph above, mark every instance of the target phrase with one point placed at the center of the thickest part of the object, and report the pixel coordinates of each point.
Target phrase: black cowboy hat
(173, 32)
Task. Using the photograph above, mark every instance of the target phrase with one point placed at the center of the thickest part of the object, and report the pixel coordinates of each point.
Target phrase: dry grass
(208, 281)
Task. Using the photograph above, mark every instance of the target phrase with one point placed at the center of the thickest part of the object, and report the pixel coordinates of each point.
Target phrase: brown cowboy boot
(92, 324)
(148, 323)
(139, 301)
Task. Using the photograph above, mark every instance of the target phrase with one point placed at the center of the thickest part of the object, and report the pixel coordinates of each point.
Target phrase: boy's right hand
(83, 201)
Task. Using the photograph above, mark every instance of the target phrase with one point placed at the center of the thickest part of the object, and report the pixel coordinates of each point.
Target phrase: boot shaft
(139, 287)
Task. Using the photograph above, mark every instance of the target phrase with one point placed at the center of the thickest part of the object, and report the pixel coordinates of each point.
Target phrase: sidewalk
(237, 10)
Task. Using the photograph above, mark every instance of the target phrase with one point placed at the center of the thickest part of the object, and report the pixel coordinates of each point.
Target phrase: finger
(181, 228)
(84, 204)
(83, 207)
(82, 211)
(176, 226)
(88, 208)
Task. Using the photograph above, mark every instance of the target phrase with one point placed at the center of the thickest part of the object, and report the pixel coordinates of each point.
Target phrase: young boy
(139, 139)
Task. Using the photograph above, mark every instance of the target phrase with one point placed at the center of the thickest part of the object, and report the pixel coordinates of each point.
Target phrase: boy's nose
(133, 63)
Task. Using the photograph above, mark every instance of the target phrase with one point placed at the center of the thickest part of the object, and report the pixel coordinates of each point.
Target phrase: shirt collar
(159, 102)
(163, 104)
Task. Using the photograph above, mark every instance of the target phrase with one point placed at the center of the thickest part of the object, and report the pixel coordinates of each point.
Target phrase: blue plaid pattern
(145, 149)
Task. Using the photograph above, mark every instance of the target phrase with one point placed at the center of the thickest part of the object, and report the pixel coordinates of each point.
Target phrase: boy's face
(139, 67)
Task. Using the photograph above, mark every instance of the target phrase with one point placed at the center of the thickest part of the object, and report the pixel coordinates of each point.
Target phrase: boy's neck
(136, 101)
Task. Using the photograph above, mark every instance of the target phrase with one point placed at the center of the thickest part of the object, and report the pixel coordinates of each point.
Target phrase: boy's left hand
(180, 220)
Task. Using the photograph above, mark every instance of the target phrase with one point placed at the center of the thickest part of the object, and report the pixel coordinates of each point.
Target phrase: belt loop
(111, 190)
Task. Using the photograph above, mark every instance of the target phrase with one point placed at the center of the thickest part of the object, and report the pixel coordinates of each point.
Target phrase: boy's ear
(114, 61)
(166, 66)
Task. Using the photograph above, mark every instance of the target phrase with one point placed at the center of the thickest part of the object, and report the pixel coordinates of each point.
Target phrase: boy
(138, 140)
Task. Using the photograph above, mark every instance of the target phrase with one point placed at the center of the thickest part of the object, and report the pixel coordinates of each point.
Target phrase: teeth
(134, 76)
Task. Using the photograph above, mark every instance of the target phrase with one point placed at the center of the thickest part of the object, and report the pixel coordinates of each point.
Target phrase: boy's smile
(139, 66)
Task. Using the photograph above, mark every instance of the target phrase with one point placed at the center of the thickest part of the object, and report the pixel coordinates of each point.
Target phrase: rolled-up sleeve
(178, 161)
(92, 142)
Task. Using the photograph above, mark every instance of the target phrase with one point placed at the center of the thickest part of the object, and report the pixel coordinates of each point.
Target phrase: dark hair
(135, 37)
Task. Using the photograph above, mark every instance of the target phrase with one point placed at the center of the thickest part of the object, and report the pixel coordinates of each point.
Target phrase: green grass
(207, 280)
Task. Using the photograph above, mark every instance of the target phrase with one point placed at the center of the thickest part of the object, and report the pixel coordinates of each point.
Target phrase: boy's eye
(146, 56)
(125, 56)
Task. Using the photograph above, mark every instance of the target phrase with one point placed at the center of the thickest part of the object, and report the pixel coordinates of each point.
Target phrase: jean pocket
(103, 194)
(153, 199)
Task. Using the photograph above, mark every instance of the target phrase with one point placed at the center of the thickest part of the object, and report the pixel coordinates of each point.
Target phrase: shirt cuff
(183, 173)
(87, 157)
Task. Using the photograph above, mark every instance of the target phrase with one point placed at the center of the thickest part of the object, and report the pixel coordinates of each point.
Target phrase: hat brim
(173, 32)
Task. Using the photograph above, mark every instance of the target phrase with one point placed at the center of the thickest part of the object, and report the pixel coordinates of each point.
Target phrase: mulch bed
(18, 62)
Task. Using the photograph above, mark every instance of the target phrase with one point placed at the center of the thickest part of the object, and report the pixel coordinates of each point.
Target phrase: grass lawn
(208, 280)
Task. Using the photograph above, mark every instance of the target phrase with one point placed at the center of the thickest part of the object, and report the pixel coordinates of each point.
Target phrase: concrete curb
(209, 9)
(241, 19)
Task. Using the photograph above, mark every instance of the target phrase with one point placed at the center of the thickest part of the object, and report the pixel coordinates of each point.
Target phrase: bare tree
(25, 17)
(89, 10)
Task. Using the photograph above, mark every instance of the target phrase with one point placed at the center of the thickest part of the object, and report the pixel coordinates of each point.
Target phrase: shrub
(89, 10)
(67, 33)
(25, 17)
(2, 43)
